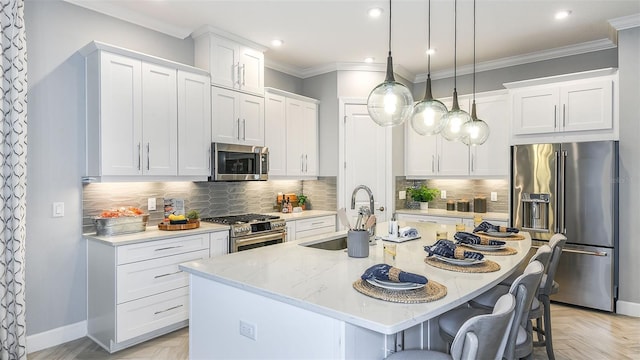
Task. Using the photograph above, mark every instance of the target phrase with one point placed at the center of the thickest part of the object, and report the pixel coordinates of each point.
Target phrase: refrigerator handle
(556, 200)
(563, 165)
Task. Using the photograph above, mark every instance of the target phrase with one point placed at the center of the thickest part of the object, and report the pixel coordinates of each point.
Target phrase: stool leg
(547, 326)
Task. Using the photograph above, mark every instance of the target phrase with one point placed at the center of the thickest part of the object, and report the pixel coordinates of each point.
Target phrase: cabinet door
(251, 70)
(492, 157)
(225, 119)
(120, 115)
(587, 106)
(219, 243)
(295, 136)
(224, 64)
(535, 111)
(252, 120)
(291, 231)
(453, 158)
(194, 124)
(275, 133)
(420, 153)
(309, 138)
(159, 120)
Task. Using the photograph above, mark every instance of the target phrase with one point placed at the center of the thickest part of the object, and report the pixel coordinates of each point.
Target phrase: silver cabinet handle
(148, 156)
(301, 163)
(555, 116)
(564, 115)
(473, 158)
(165, 310)
(167, 274)
(438, 163)
(168, 248)
(244, 129)
(237, 81)
(243, 66)
(306, 163)
(238, 123)
(433, 163)
(139, 156)
(209, 157)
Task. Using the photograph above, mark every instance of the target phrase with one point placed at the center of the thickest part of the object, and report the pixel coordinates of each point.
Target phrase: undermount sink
(334, 244)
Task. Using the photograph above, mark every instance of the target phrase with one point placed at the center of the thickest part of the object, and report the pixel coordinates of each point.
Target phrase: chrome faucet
(372, 231)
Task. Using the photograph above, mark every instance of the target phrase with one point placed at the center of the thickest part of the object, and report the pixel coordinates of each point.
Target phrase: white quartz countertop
(456, 214)
(306, 214)
(153, 233)
(321, 280)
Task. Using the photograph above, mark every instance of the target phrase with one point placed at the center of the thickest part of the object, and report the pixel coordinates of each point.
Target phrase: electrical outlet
(443, 194)
(151, 204)
(248, 330)
(58, 209)
(402, 194)
(494, 196)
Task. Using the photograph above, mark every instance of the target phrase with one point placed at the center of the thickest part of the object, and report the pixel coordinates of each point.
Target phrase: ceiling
(319, 34)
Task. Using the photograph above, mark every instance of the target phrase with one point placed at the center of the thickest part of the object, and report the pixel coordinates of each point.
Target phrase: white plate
(496, 233)
(399, 239)
(392, 285)
(486, 247)
(461, 262)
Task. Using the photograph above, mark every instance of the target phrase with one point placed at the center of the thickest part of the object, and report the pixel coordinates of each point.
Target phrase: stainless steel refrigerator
(572, 188)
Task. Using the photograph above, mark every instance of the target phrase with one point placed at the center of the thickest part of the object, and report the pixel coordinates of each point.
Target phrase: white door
(309, 138)
(194, 124)
(587, 106)
(365, 152)
(252, 120)
(224, 62)
(251, 70)
(225, 116)
(535, 111)
(295, 136)
(492, 157)
(275, 133)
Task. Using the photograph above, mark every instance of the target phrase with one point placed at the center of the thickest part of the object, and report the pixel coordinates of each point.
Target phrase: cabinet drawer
(159, 248)
(313, 232)
(145, 315)
(145, 278)
(314, 223)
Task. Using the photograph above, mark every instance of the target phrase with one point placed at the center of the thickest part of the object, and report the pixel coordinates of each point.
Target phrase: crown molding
(118, 12)
(304, 73)
(209, 29)
(625, 22)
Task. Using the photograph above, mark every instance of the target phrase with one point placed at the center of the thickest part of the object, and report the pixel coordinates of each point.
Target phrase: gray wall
(282, 81)
(629, 65)
(55, 251)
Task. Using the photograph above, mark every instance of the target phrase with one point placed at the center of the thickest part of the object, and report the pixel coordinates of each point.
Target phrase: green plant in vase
(423, 195)
(302, 201)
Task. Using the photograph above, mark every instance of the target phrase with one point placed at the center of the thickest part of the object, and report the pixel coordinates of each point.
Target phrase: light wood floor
(578, 334)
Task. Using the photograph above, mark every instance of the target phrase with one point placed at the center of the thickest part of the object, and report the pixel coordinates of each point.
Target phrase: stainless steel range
(250, 231)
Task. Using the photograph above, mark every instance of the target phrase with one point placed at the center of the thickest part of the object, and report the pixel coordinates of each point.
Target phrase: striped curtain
(13, 180)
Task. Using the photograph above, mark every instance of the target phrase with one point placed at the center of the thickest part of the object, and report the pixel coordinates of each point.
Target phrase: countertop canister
(358, 243)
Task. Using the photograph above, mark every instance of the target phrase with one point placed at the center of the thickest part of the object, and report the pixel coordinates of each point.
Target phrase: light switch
(443, 194)
(494, 196)
(402, 194)
(151, 204)
(58, 209)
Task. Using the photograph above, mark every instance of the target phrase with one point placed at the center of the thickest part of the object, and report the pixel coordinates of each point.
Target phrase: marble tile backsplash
(458, 189)
(209, 198)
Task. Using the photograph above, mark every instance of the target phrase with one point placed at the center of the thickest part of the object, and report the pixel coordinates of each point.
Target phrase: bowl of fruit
(123, 220)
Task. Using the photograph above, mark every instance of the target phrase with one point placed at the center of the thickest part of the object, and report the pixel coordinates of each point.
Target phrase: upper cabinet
(581, 105)
(238, 118)
(138, 107)
(233, 62)
(291, 134)
(434, 156)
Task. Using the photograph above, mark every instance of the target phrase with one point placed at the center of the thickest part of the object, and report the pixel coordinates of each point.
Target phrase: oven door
(256, 241)
(232, 162)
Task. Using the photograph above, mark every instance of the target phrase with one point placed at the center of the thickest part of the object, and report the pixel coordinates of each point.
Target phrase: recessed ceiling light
(369, 60)
(277, 42)
(562, 14)
(431, 51)
(375, 12)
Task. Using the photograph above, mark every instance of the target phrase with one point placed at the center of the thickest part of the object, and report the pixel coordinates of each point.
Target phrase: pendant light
(455, 118)
(476, 131)
(390, 103)
(428, 113)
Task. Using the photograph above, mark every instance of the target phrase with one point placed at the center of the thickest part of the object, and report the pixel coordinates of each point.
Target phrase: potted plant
(302, 201)
(423, 195)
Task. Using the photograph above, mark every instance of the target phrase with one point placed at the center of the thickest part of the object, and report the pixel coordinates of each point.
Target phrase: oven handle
(259, 239)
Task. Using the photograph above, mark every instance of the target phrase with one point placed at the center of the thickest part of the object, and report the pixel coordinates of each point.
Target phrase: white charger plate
(392, 285)
(486, 247)
(496, 233)
(461, 262)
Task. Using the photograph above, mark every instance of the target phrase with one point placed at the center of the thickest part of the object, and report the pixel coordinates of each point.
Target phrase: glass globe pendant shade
(476, 131)
(390, 103)
(455, 120)
(427, 118)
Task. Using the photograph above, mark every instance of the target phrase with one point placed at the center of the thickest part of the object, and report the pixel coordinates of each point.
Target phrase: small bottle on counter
(393, 227)
(285, 206)
(289, 205)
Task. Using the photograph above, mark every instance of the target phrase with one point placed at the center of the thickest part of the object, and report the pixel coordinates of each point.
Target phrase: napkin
(489, 227)
(447, 248)
(468, 238)
(390, 273)
(408, 232)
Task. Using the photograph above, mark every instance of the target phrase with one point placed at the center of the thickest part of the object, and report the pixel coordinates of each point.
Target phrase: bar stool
(480, 337)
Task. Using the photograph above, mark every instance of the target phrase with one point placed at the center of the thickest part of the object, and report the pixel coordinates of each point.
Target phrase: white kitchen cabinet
(492, 158)
(194, 124)
(232, 64)
(563, 106)
(135, 103)
(237, 118)
(136, 292)
(291, 134)
(315, 226)
(446, 220)
(291, 230)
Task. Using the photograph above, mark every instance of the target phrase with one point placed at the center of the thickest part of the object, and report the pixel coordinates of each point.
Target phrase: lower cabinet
(137, 292)
(304, 228)
(447, 220)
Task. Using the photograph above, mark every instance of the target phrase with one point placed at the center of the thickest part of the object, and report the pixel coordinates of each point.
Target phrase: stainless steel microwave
(231, 162)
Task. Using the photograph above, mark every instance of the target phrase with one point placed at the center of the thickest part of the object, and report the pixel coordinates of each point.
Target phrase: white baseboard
(628, 308)
(56, 336)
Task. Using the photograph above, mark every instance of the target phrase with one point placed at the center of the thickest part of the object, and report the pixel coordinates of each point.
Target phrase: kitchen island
(294, 301)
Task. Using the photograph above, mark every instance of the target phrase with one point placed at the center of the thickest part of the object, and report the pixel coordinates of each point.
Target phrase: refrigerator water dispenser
(536, 212)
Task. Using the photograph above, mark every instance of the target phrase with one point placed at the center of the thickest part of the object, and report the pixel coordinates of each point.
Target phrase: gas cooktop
(240, 219)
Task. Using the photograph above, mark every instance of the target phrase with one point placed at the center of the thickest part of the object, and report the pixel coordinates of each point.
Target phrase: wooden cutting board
(172, 227)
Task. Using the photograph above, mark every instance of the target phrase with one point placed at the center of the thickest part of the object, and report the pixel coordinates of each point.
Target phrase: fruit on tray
(173, 217)
(120, 212)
